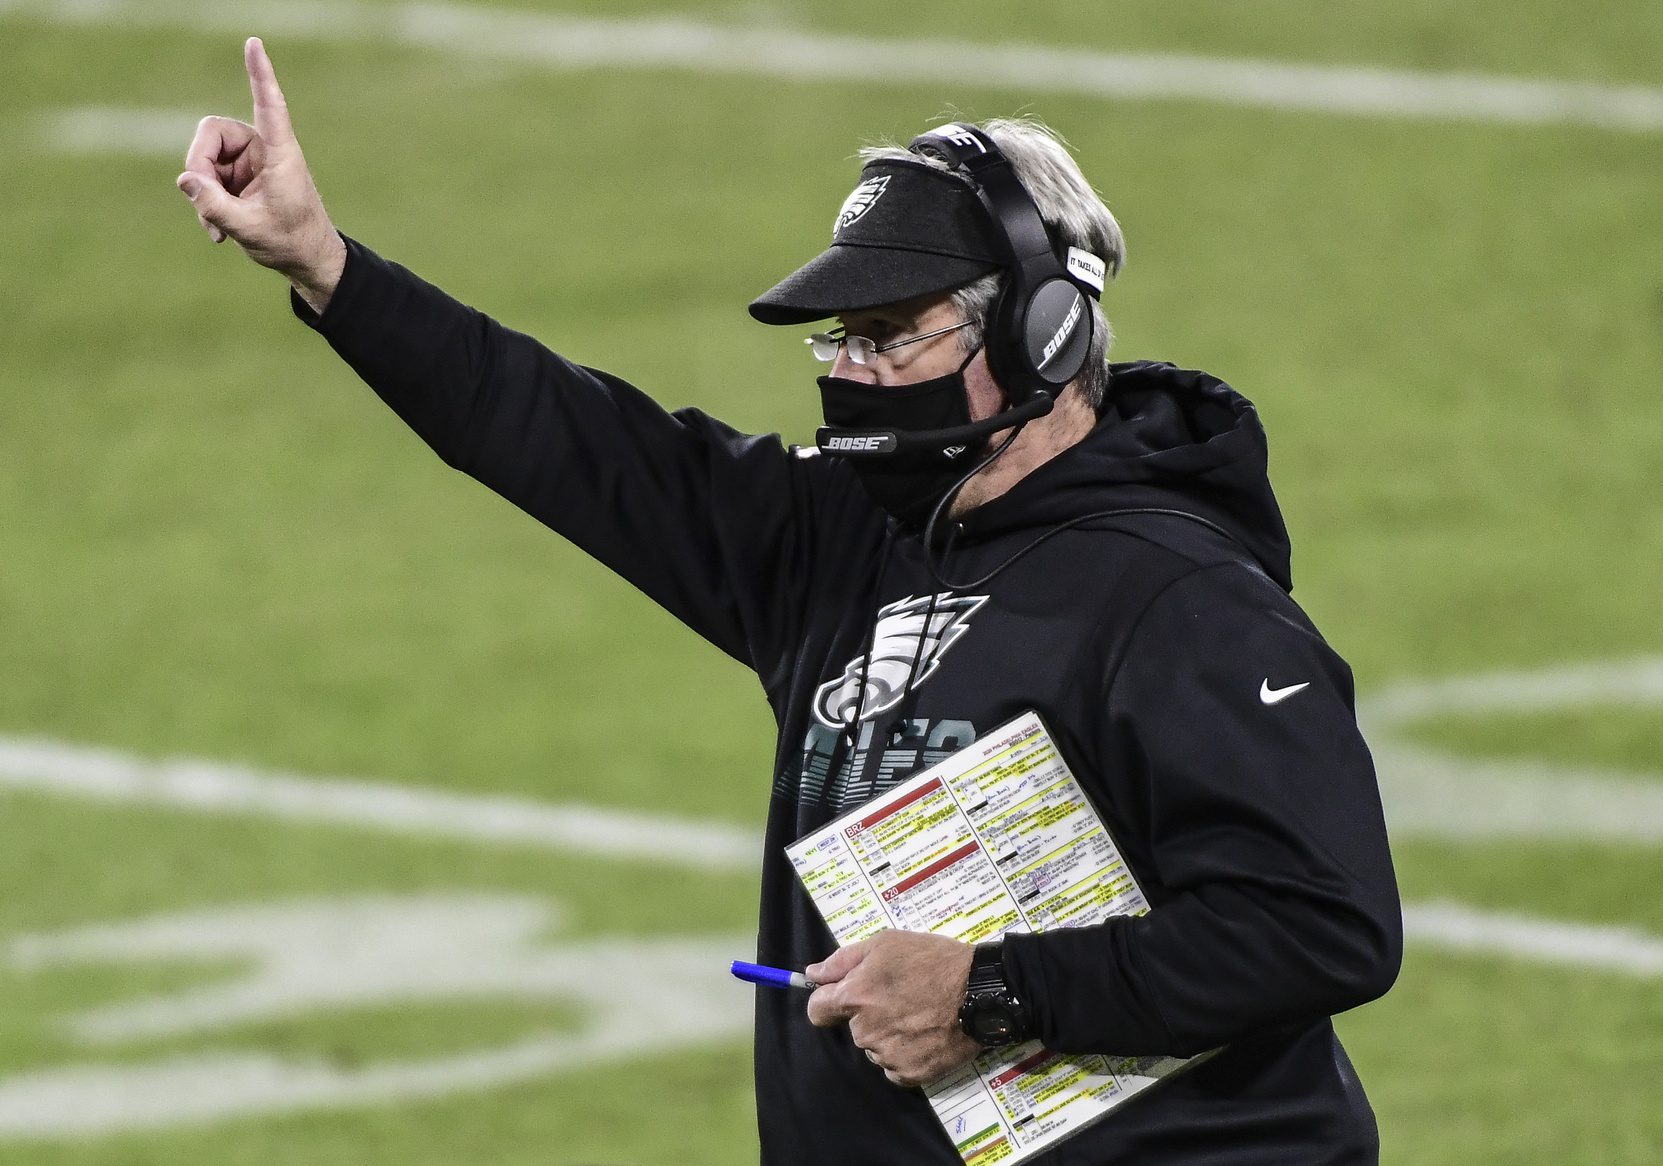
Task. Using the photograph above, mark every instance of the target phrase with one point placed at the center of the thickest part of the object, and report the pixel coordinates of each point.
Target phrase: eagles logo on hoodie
(938, 621)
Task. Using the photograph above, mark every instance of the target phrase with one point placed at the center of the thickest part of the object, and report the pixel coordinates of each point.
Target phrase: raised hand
(249, 183)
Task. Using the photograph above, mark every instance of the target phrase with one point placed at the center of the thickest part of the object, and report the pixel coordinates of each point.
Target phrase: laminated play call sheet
(998, 837)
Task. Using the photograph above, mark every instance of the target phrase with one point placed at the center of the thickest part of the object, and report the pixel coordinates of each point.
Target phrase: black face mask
(904, 484)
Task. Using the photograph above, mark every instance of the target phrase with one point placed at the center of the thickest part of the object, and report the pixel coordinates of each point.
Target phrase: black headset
(1038, 335)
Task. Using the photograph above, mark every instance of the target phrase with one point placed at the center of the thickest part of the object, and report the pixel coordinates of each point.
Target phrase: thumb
(215, 206)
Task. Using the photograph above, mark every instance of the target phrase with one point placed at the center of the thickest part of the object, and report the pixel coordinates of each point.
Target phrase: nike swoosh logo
(1269, 695)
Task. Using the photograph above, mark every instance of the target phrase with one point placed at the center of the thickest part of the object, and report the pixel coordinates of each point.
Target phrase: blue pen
(771, 977)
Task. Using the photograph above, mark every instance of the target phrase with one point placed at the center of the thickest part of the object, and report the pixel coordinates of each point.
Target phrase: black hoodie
(1138, 600)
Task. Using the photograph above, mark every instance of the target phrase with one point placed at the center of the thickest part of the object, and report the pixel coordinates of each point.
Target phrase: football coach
(995, 519)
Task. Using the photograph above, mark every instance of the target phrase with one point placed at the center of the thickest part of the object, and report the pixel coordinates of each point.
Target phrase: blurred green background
(217, 544)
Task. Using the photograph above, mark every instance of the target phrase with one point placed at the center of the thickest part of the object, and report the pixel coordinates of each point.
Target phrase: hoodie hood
(1168, 438)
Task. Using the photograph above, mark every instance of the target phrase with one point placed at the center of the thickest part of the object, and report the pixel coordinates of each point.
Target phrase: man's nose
(846, 368)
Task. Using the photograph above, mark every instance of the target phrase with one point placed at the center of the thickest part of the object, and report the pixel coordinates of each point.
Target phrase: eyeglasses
(861, 349)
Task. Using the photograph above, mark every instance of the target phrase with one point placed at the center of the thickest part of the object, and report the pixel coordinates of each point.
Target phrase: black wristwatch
(991, 1013)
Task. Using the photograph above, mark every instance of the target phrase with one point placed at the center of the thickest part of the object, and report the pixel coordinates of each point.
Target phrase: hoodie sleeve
(1230, 744)
(699, 517)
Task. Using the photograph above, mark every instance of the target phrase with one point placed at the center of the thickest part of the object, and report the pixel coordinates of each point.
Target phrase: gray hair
(1073, 213)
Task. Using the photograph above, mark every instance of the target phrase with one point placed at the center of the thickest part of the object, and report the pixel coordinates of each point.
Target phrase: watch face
(992, 1021)
(991, 1013)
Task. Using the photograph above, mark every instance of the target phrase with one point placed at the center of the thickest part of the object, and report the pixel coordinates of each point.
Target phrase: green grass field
(217, 544)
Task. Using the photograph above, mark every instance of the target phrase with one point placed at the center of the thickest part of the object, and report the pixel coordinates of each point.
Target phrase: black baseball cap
(908, 229)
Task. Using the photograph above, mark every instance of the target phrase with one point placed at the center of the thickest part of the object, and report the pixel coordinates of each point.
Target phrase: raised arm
(704, 519)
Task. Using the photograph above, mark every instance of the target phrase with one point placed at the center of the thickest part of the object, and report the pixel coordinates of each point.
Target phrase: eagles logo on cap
(860, 201)
(930, 235)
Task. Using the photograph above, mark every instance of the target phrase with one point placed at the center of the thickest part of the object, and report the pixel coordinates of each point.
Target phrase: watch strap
(992, 1014)
(987, 969)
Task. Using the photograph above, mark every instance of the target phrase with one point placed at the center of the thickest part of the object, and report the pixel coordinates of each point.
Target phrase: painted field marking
(561, 41)
(643, 995)
(636, 998)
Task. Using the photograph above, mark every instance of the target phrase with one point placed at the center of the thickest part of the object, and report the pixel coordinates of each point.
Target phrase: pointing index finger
(271, 111)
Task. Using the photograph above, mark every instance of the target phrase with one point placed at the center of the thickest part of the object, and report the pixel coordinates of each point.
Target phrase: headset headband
(1039, 332)
(971, 152)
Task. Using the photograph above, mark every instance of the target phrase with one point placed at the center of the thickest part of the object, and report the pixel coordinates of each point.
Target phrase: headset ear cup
(1001, 339)
(1021, 329)
(1056, 333)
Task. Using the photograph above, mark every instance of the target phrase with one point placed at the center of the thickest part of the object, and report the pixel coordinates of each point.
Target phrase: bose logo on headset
(1064, 332)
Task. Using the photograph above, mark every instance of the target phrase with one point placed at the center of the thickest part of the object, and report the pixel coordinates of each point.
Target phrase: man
(1010, 524)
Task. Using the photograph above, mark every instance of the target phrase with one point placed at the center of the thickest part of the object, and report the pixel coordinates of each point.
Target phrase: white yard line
(1429, 793)
(218, 788)
(103, 130)
(783, 54)
(1618, 683)
(1625, 951)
